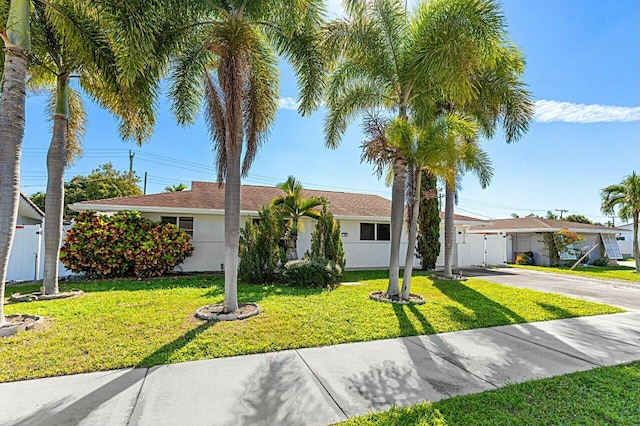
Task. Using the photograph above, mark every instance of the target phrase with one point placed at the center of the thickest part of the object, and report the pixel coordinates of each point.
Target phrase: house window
(367, 232)
(383, 232)
(375, 231)
(182, 222)
(255, 221)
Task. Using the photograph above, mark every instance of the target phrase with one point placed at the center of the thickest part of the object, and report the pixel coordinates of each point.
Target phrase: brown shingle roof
(210, 196)
(535, 223)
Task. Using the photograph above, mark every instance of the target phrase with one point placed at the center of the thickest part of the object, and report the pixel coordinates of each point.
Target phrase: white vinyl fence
(26, 261)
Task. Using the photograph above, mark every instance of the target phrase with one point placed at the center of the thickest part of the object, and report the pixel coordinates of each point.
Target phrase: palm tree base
(37, 296)
(18, 322)
(451, 278)
(381, 296)
(219, 313)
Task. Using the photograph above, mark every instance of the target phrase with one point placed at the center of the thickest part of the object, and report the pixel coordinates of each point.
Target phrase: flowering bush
(123, 245)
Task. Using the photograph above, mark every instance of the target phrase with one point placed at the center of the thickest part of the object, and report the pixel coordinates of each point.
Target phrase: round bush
(310, 272)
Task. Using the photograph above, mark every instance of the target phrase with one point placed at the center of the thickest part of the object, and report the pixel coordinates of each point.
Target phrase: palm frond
(217, 125)
(261, 101)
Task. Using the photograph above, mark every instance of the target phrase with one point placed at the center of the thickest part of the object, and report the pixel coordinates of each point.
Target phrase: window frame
(376, 226)
(178, 220)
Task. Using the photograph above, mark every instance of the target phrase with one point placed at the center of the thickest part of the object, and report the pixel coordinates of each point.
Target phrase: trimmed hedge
(123, 245)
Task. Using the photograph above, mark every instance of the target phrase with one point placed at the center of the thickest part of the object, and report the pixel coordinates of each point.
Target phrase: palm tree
(56, 57)
(230, 60)
(626, 197)
(390, 59)
(178, 187)
(292, 207)
(14, 32)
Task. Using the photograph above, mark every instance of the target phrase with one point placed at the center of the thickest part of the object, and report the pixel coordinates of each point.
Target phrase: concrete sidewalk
(324, 385)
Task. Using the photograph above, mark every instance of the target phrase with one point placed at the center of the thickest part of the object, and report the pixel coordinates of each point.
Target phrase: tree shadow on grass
(557, 311)
(407, 327)
(488, 312)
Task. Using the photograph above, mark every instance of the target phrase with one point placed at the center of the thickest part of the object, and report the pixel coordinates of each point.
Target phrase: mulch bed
(381, 296)
(17, 322)
(37, 296)
(218, 313)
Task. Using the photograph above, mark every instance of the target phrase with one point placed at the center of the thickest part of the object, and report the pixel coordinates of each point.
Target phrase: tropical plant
(560, 242)
(229, 58)
(68, 20)
(578, 218)
(326, 240)
(625, 196)
(291, 207)
(261, 255)
(177, 187)
(390, 59)
(123, 245)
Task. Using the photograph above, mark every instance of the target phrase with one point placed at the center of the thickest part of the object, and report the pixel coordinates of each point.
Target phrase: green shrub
(261, 255)
(310, 272)
(326, 242)
(123, 245)
(601, 261)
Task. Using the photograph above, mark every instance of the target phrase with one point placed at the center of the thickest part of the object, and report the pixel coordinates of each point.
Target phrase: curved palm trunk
(636, 249)
(12, 103)
(449, 231)
(397, 218)
(413, 237)
(54, 202)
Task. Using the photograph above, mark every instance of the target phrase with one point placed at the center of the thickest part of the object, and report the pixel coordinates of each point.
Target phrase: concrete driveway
(613, 293)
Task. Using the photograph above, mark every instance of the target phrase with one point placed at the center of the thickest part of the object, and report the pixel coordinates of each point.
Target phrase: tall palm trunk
(636, 249)
(17, 43)
(54, 202)
(397, 219)
(231, 231)
(413, 237)
(449, 231)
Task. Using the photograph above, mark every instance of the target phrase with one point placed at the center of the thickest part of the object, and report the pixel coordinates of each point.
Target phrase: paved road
(624, 295)
(317, 386)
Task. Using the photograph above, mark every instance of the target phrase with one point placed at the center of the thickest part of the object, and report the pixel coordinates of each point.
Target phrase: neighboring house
(364, 222)
(525, 235)
(625, 239)
(28, 212)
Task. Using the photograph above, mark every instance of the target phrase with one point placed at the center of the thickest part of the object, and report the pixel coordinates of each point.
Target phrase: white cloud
(288, 103)
(567, 112)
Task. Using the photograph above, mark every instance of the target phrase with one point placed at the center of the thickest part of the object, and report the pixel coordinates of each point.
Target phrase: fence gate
(25, 259)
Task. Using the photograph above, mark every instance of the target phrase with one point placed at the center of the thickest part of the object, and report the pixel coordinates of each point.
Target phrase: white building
(364, 222)
(525, 235)
(625, 239)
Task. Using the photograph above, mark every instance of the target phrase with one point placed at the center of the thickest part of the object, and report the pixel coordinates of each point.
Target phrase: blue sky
(582, 69)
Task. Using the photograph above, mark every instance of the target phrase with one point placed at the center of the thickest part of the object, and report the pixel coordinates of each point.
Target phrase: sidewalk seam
(135, 403)
(322, 384)
(451, 362)
(547, 347)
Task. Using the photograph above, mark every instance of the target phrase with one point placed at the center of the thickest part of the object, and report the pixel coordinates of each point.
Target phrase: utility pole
(131, 155)
(440, 195)
(144, 192)
(562, 211)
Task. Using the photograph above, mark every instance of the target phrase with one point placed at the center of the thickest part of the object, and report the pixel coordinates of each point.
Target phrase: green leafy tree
(429, 223)
(38, 199)
(103, 182)
(326, 240)
(625, 196)
(291, 206)
(578, 218)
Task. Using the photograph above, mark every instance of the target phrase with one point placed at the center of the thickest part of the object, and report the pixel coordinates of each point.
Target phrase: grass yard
(625, 273)
(124, 323)
(603, 396)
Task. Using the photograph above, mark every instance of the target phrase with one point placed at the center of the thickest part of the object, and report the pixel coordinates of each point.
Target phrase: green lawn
(122, 323)
(603, 396)
(626, 273)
